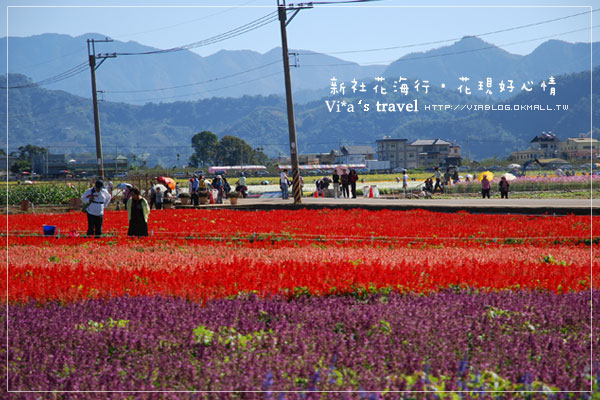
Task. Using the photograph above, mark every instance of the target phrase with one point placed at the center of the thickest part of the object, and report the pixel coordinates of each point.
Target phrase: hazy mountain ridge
(477, 59)
(56, 118)
(200, 77)
(222, 74)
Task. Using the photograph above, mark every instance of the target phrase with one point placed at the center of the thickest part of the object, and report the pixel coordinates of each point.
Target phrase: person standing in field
(404, 182)
(97, 199)
(485, 187)
(193, 188)
(345, 179)
(159, 199)
(218, 185)
(353, 177)
(137, 211)
(283, 184)
(152, 195)
(438, 180)
(503, 186)
(336, 184)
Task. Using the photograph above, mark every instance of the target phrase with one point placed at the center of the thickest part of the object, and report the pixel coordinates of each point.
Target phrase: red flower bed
(326, 223)
(95, 269)
(291, 252)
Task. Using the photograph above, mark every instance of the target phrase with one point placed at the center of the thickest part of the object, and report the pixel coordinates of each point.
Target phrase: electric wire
(57, 58)
(76, 70)
(228, 9)
(270, 18)
(404, 59)
(337, 64)
(253, 25)
(196, 83)
(209, 90)
(53, 109)
(453, 39)
(215, 39)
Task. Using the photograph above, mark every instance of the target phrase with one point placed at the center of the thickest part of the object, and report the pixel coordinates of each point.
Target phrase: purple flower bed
(446, 341)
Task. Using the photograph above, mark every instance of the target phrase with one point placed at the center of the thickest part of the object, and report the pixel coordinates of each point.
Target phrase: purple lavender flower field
(481, 342)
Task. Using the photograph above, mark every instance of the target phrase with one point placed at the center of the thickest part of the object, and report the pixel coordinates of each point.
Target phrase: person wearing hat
(97, 199)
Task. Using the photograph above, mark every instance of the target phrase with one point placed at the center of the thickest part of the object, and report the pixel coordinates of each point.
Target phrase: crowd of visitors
(341, 184)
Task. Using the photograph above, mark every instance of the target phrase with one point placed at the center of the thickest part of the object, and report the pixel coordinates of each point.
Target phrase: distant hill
(159, 132)
(476, 59)
(28, 56)
(136, 79)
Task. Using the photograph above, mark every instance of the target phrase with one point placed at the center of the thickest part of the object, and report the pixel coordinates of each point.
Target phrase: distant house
(315, 158)
(49, 165)
(396, 152)
(545, 144)
(549, 146)
(579, 149)
(355, 154)
(309, 158)
(7, 161)
(112, 165)
(433, 152)
(53, 165)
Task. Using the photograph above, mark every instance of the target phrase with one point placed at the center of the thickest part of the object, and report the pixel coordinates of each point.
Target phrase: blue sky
(343, 30)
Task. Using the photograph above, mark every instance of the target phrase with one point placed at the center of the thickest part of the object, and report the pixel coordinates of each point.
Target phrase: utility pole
(282, 8)
(468, 158)
(93, 67)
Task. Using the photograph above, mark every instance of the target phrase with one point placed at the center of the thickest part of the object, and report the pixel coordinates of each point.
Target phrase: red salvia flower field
(331, 300)
(203, 255)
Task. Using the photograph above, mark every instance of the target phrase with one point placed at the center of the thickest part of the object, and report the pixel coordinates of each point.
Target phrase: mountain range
(159, 132)
(141, 79)
(185, 75)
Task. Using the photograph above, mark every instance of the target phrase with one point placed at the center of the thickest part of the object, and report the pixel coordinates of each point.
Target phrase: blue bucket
(49, 230)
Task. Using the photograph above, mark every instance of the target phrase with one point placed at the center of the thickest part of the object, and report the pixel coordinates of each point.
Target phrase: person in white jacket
(97, 199)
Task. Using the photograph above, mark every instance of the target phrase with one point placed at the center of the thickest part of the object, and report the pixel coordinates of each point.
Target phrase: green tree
(205, 145)
(235, 151)
(26, 152)
(23, 162)
(20, 166)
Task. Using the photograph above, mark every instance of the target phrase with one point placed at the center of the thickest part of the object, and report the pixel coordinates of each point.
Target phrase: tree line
(230, 150)
(23, 157)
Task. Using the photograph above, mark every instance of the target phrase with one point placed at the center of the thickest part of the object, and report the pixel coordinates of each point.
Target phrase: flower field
(303, 304)
(533, 183)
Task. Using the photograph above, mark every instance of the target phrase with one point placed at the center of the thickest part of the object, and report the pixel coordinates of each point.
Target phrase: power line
(185, 22)
(208, 91)
(52, 110)
(337, 2)
(270, 18)
(250, 26)
(456, 52)
(59, 57)
(195, 83)
(453, 39)
(53, 79)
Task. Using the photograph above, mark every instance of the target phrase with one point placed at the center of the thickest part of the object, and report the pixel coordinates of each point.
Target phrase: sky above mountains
(368, 33)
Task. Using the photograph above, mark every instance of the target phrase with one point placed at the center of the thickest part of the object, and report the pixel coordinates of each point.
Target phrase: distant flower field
(364, 302)
(534, 183)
